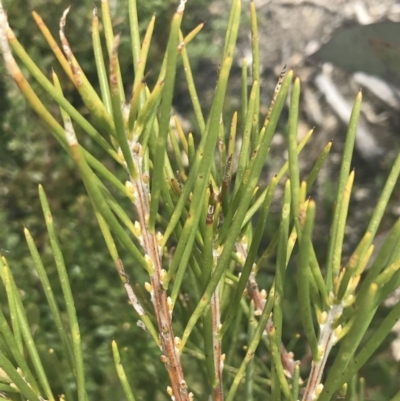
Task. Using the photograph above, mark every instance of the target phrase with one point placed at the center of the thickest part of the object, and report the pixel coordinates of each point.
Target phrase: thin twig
(259, 298)
(326, 341)
(161, 302)
(218, 392)
(129, 290)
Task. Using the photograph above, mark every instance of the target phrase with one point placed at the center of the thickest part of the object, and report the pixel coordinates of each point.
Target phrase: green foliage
(193, 242)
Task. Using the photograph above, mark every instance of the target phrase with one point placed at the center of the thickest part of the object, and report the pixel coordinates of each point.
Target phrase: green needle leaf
(68, 297)
(292, 148)
(303, 281)
(343, 176)
(100, 66)
(55, 311)
(121, 373)
(249, 183)
(161, 140)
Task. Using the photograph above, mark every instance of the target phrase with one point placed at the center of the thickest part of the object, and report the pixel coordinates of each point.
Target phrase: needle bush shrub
(183, 221)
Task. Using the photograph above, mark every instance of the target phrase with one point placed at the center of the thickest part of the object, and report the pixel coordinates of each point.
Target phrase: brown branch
(150, 242)
(326, 341)
(259, 299)
(218, 391)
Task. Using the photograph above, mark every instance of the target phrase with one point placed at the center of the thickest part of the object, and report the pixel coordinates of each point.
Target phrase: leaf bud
(130, 190)
(148, 261)
(322, 317)
(148, 287)
(146, 178)
(177, 342)
(120, 154)
(319, 389)
(170, 304)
